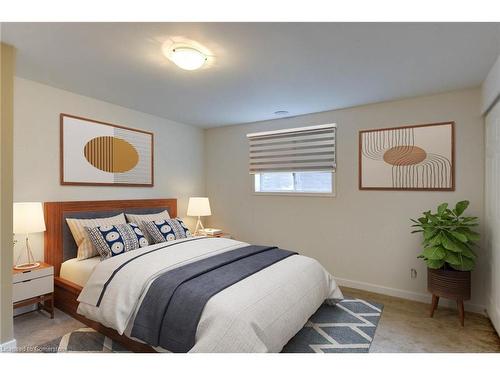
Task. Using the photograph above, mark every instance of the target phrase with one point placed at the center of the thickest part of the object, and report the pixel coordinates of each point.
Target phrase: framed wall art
(416, 157)
(98, 153)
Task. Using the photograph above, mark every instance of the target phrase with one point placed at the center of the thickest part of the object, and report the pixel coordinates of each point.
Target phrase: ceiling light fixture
(187, 58)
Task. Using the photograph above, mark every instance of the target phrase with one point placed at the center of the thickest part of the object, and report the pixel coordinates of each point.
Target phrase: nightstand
(219, 235)
(34, 286)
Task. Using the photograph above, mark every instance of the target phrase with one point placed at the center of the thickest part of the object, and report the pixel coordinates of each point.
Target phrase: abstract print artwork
(418, 157)
(98, 153)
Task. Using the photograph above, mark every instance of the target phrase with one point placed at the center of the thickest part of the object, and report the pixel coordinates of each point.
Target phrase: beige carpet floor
(405, 326)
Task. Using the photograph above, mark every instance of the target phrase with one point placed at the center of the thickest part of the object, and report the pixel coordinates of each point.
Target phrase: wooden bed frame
(66, 292)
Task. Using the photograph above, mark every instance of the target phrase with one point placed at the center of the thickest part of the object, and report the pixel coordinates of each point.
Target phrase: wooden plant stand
(455, 285)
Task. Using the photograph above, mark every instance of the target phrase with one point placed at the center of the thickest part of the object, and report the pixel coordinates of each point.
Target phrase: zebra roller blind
(309, 148)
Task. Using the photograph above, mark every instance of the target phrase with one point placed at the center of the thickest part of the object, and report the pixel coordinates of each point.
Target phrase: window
(297, 161)
(294, 182)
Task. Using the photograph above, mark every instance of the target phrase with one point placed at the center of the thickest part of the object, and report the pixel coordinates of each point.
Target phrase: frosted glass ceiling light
(187, 58)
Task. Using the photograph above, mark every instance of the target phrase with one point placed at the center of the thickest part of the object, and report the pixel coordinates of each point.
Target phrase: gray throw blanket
(170, 311)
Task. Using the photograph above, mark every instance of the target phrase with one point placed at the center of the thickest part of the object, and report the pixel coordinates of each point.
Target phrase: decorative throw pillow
(139, 219)
(167, 230)
(112, 240)
(77, 227)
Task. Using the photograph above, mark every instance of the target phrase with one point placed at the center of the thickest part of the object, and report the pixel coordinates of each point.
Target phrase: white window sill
(292, 194)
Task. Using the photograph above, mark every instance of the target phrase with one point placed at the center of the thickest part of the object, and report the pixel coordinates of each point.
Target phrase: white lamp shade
(199, 206)
(28, 217)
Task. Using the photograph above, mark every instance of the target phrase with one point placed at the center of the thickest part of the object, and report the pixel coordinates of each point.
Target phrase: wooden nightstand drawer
(32, 288)
(42, 271)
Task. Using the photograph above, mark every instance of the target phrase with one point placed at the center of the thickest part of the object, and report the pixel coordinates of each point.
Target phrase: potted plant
(448, 240)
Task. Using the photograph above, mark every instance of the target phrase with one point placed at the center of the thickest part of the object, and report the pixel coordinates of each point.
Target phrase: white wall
(178, 158)
(492, 204)
(491, 105)
(490, 90)
(362, 237)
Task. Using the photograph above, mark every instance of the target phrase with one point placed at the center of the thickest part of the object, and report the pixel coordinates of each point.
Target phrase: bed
(259, 313)
(78, 271)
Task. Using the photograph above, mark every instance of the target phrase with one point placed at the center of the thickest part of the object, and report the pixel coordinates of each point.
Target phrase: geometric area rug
(347, 327)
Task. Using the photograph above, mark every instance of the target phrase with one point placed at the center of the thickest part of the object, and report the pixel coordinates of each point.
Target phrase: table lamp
(28, 218)
(198, 206)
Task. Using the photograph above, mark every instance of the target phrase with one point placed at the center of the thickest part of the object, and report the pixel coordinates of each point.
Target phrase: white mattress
(79, 271)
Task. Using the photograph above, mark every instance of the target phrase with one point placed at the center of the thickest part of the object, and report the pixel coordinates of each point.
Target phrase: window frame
(333, 193)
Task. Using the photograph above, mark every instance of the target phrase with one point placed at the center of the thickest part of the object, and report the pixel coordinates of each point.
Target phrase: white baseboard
(406, 294)
(9, 346)
(494, 315)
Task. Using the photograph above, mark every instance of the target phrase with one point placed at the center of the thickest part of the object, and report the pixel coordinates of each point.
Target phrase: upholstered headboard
(59, 243)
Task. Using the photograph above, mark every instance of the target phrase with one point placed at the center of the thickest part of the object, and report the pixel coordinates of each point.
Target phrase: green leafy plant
(448, 237)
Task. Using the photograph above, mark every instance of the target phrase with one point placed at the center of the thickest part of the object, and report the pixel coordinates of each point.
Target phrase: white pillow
(137, 219)
(145, 218)
(77, 226)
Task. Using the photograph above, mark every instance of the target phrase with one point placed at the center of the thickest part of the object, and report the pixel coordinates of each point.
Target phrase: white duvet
(258, 314)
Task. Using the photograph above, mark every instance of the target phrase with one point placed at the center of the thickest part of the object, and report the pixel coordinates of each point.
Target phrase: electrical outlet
(413, 273)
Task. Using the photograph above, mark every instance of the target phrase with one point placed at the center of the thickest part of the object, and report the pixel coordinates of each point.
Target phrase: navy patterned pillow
(111, 240)
(167, 230)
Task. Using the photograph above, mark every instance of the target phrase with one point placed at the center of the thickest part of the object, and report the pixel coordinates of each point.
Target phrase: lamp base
(199, 227)
(26, 266)
(30, 264)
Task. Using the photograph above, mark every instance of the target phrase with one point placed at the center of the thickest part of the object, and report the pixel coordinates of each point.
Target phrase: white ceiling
(257, 68)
